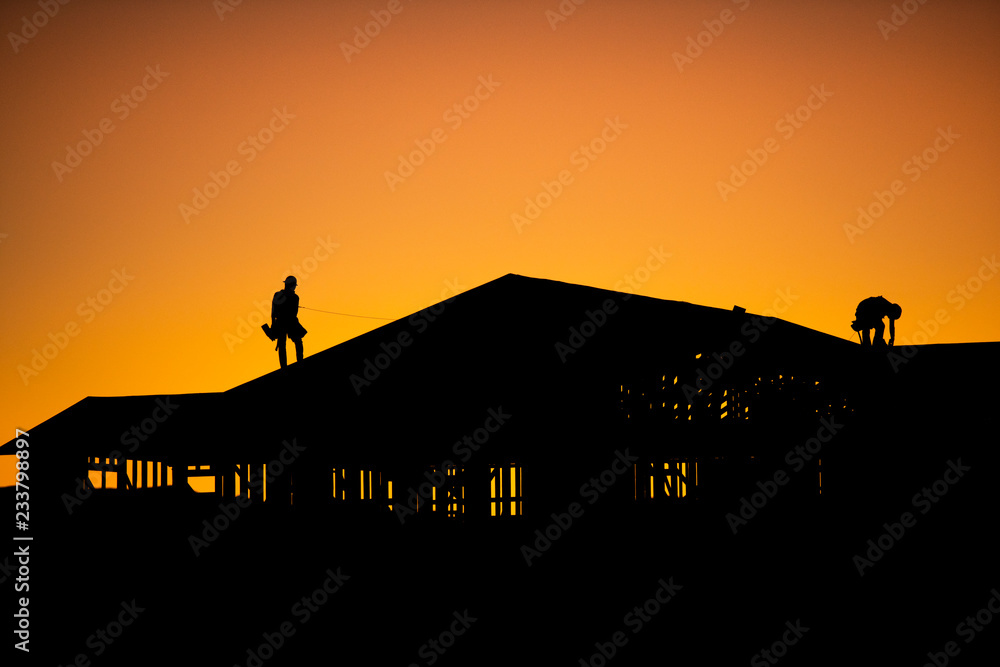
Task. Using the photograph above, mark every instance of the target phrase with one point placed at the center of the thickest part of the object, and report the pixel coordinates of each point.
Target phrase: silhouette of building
(518, 378)
(478, 421)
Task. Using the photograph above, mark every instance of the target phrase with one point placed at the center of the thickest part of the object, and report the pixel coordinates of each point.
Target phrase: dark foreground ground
(896, 563)
(673, 587)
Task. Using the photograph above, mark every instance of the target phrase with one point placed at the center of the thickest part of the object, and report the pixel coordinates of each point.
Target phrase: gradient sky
(316, 196)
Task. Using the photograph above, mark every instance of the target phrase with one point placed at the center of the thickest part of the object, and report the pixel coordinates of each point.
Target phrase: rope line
(330, 312)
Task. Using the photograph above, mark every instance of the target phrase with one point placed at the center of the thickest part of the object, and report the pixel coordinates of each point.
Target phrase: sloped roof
(515, 342)
(520, 319)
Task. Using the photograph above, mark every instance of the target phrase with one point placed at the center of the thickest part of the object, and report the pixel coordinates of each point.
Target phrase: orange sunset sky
(392, 169)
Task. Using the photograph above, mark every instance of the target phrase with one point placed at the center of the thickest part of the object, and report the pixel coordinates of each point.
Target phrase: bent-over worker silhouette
(285, 320)
(869, 316)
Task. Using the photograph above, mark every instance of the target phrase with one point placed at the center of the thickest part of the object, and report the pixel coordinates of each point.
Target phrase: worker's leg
(298, 349)
(282, 354)
(880, 331)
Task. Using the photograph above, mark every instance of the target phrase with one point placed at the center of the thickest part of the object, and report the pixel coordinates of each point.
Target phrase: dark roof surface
(517, 342)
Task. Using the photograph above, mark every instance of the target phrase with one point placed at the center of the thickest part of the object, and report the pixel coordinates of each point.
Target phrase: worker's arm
(892, 331)
(276, 306)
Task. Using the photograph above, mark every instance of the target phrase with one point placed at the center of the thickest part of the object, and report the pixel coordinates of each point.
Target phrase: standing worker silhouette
(285, 320)
(869, 315)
